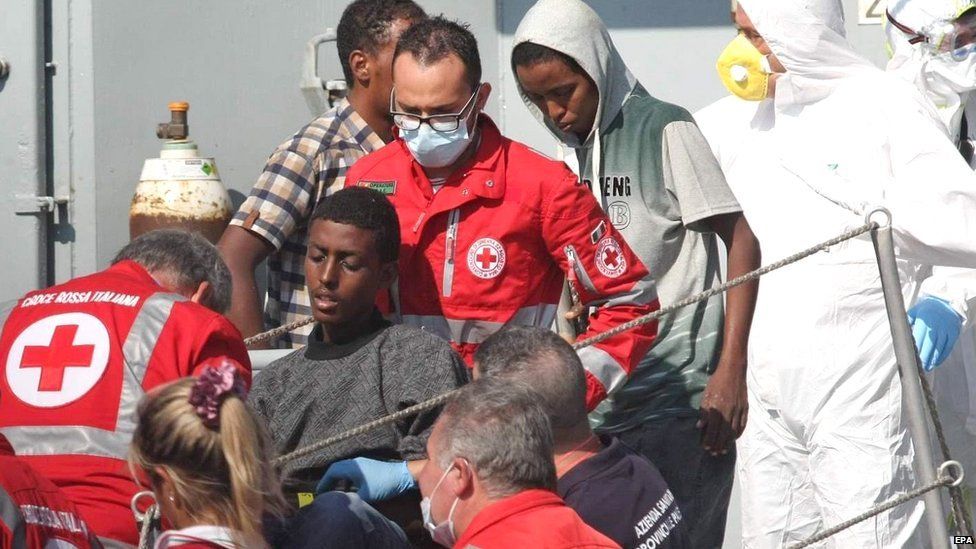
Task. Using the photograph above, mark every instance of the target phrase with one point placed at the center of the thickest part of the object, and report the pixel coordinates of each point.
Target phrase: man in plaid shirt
(311, 165)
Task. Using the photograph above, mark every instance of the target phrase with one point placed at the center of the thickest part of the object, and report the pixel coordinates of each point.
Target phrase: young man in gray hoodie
(649, 166)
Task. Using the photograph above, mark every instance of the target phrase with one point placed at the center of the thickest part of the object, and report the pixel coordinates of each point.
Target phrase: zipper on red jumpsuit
(573, 276)
(450, 242)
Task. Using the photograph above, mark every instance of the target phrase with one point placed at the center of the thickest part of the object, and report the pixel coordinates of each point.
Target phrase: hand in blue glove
(935, 326)
(373, 480)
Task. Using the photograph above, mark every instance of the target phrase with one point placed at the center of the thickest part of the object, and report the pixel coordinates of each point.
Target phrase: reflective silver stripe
(39, 440)
(643, 291)
(47, 440)
(136, 352)
(603, 367)
(476, 331)
(11, 517)
(450, 243)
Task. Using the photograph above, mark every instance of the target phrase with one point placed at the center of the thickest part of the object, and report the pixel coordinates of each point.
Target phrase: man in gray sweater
(357, 367)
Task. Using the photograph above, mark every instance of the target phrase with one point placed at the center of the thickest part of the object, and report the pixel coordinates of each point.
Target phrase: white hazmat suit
(827, 438)
(948, 83)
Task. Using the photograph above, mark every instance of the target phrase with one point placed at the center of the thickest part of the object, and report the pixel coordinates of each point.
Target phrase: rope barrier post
(906, 355)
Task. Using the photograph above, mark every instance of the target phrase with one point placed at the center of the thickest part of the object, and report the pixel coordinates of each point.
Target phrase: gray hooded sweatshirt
(657, 180)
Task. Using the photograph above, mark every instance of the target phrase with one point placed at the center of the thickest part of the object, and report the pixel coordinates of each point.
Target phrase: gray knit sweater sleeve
(429, 367)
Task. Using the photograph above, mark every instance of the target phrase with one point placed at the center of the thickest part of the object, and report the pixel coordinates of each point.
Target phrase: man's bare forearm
(243, 251)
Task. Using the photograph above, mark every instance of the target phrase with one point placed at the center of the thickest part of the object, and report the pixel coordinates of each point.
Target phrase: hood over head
(573, 28)
(945, 81)
(809, 39)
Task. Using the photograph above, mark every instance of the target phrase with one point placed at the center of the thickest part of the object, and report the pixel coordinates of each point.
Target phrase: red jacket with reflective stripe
(77, 359)
(534, 518)
(493, 246)
(33, 512)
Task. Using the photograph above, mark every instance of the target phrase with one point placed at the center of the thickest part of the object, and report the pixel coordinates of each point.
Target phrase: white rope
(279, 331)
(150, 526)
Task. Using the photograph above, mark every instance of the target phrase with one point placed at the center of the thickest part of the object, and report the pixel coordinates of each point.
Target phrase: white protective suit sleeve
(956, 286)
(932, 191)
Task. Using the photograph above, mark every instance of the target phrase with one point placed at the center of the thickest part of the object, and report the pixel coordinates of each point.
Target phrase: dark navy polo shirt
(622, 495)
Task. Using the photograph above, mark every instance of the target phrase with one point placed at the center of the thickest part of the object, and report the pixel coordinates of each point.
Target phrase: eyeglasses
(438, 122)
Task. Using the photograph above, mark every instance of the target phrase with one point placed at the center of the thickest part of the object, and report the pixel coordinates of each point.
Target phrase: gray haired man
(613, 488)
(80, 354)
(490, 479)
(184, 263)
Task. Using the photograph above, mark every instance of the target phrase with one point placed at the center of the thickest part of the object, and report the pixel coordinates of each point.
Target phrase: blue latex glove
(373, 480)
(936, 327)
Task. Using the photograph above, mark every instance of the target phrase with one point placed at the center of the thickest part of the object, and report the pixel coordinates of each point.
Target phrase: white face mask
(434, 149)
(437, 149)
(442, 533)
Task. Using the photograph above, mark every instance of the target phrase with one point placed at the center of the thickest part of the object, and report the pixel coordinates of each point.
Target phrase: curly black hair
(366, 209)
(367, 24)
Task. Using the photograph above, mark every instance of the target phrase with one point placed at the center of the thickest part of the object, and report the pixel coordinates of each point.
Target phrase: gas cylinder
(180, 189)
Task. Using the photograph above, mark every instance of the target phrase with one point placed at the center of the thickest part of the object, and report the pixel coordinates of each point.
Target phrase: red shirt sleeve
(220, 340)
(608, 275)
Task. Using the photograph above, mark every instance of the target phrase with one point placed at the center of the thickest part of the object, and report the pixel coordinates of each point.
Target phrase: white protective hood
(573, 28)
(809, 39)
(945, 82)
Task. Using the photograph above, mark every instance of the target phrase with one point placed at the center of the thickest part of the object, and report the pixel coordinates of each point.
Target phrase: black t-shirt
(622, 495)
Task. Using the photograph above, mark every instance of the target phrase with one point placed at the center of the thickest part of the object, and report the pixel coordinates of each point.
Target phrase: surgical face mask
(744, 69)
(437, 149)
(434, 149)
(442, 533)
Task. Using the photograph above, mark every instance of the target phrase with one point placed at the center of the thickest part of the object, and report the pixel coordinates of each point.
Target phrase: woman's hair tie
(212, 386)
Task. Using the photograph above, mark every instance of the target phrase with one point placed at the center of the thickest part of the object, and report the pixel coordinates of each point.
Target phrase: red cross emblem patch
(58, 359)
(610, 258)
(486, 258)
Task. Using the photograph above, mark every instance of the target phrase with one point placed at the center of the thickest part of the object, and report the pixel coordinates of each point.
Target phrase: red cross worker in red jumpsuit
(489, 227)
(77, 357)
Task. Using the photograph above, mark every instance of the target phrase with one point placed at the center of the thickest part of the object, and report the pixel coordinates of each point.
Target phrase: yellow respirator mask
(744, 69)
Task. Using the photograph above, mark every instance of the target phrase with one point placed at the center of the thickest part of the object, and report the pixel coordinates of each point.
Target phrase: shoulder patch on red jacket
(610, 258)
